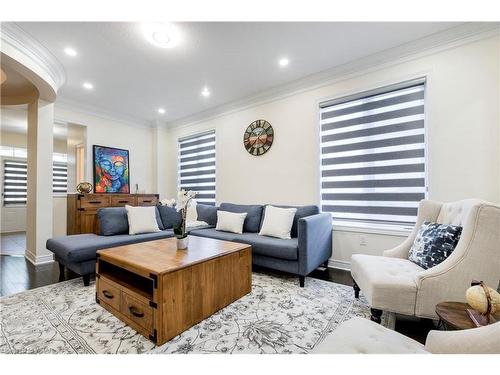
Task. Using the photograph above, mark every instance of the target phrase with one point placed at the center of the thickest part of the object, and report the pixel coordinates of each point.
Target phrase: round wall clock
(258, 137)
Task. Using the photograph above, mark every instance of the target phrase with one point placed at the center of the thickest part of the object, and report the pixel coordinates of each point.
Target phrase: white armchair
(393, 283)
(360, 336)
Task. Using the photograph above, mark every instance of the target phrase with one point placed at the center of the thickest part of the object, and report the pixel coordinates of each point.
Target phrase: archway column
(39, 190)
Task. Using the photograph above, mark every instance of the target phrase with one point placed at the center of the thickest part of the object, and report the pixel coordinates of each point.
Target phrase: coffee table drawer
(137, 311)
(109, 294)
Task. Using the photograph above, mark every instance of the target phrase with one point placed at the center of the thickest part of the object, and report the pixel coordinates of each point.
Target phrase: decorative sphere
(476, 298)
(84, 187)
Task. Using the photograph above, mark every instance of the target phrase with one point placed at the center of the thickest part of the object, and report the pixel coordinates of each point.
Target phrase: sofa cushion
(112, 221)
(169, 216)
(362, 336)
(254, 215)
(270, 246)
(82, 247)
(212, 233)
(207, 213)
(387, 283)
(302, 211)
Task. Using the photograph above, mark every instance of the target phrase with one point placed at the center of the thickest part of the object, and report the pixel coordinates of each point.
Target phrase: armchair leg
(356, 289)
(86, 279)
(376, 315)
(325, 264)
(302, 280)
(61, 272)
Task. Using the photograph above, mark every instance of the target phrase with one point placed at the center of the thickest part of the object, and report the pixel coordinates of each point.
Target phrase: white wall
(462, 128)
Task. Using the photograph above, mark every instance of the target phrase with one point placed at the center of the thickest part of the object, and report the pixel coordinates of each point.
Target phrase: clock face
(258, 137)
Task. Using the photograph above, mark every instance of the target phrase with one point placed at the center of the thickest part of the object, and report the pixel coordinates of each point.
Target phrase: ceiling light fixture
(88, 86)
(284, 61)
(163, 35)
(161, 111)
(70, 51)
(205, 92)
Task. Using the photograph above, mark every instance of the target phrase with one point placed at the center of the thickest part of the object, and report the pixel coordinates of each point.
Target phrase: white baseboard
(40, 259)
(339, 264)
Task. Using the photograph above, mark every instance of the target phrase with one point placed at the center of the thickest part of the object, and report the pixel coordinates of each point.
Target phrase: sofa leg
(61, 272)
(302, 280)
(356, 289)
(376, 315)
(86, 279)
(325, 264)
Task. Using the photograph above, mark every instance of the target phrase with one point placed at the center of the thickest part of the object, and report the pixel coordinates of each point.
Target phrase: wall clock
(258, 137)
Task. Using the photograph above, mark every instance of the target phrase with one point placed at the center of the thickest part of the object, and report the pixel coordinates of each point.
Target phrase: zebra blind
(15, 181)
(197, 166)
(59, 178)
(373, 155)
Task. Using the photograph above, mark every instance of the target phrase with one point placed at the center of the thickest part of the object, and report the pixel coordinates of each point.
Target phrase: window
(197, 166)
(14, 182)
(373, 156)
(15, 179)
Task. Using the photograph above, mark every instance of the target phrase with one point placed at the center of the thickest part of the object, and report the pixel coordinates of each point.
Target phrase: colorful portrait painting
(111, 170)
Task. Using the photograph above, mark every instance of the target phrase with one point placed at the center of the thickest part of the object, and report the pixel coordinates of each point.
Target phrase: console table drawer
(122, 201)
(146, 200)
(109, 294)
(137, 311)
(94, 202)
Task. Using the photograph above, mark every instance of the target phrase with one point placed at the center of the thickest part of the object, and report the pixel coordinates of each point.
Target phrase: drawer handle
(122, 201)
(107, 294)
(95, 202)
(144, 201)
(135, 312)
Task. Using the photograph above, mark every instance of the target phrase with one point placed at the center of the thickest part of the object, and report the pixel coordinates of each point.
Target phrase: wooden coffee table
(160, 291)
(453, 315)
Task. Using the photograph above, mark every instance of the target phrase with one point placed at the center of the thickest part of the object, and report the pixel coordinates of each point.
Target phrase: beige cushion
(361, 336)
(387, 283)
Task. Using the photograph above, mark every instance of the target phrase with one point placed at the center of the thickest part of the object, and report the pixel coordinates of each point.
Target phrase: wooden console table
(82, 208)
(160, 291)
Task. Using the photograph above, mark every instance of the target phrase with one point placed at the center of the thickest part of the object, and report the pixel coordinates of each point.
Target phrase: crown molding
(447, 39)
(18, 39)
(73, 106)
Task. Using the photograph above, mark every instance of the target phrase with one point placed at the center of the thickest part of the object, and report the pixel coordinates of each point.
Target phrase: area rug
(276, 317)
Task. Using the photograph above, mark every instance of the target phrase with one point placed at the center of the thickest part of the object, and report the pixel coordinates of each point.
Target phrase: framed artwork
(111, 170)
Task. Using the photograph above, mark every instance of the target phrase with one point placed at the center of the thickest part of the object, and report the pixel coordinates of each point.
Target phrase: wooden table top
(455, 314)
(162, 256)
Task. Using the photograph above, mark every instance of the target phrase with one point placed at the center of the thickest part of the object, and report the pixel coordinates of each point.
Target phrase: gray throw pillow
(207, 213)
(112, 221)
(170, 218)
(434, 243)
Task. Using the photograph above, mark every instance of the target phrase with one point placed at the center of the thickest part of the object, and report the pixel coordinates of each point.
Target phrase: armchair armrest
(315, 241)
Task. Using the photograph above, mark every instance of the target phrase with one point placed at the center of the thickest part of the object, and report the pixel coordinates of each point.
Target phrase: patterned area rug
(276, 317)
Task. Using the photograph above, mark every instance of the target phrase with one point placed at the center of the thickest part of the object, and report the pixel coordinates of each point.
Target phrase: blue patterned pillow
(434, 243)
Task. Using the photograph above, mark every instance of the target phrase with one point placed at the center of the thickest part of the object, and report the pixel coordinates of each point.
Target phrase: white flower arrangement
(181, 205)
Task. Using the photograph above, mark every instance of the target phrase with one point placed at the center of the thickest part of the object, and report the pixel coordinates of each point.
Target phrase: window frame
(393, 229)
(178, 149)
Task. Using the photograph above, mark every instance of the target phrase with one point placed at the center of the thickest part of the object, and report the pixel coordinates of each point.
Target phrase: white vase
(182, 243)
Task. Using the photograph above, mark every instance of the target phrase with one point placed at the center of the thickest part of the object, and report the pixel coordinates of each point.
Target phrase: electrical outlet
(362, 241)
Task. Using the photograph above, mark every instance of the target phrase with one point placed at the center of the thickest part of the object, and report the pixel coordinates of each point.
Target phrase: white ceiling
(235, 60)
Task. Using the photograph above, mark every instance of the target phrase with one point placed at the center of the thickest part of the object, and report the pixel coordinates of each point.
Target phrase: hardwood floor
(18, 274)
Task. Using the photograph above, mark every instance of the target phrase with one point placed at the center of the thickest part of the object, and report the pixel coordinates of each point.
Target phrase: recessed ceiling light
(70, 51)
(205, 92)
(163, 35)
(284, 61)
(88, 86)
(161, 111)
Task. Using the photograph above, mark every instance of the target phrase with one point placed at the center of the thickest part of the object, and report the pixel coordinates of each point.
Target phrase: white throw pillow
(142, 219)
(278, 222)
(230, 221)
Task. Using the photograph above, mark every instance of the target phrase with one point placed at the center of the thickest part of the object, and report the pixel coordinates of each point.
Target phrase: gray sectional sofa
(309, 247)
